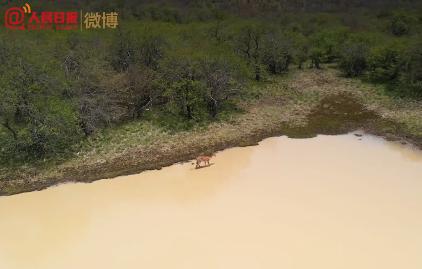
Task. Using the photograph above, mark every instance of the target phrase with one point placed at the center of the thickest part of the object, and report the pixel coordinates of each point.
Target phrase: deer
(203, 159)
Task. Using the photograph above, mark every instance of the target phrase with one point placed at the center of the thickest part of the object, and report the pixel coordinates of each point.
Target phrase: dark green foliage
(325, 44)
(315, 56)
(217, 31)
(123, 51)
(128, 50)
(157, 13)
(185, 90)
(223, 79)
(277, 53)
(184, 63)
(411, 75)
(51, 129)
(385, 63)
(197, 88)
(300, 48)
(38, 120)
(400, 24)
(151, 50)
(248, 42)
(353, 58)
(139, 88)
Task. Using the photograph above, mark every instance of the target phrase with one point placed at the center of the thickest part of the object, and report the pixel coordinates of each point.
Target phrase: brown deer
(203, 159)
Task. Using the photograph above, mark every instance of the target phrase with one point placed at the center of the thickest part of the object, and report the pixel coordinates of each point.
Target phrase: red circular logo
(14, 18)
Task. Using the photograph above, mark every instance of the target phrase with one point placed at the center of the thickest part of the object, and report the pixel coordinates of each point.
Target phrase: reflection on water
(328, 202)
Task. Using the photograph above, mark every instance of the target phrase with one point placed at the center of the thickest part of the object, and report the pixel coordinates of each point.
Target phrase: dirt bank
(303, 105)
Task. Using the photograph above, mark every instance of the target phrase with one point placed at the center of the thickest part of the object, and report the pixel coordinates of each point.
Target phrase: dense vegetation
(180, 67)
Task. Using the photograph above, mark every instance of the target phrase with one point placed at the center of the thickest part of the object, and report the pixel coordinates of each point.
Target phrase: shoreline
(332, 112)
(91, 174)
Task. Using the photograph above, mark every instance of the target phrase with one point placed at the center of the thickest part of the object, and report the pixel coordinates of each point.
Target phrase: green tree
(354, 58)
(122, 50)
(326, 43)
(300, 48)
(277, 52)
(185, 90)
(138, 89)
(316, 54)
(400, 24)
(222, 79)
(411, 75)
(249, 44)
(32, 111)
(385, 62)
(151, 49)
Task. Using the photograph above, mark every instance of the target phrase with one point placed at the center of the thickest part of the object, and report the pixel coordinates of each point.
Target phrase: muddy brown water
(323, 203)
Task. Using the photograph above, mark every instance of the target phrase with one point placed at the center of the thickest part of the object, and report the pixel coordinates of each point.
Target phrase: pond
(328, 202)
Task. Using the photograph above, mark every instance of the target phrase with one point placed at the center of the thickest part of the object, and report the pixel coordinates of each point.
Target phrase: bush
(137, 90)
(300, 48)
(187, 98)
(385, 62)
(325, 44)
(248, 43)
(315, 54)
(150, 50)
(157, 13)
(51, 130)
(411, 75)
(353, 58)
(223, 78)
(39, 122)
(185, 90)
(199, 86)
(399, 24)
(122, 51)
(277, 53)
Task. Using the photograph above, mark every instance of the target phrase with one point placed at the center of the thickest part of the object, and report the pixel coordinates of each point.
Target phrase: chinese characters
(58, 20)
(97, 20)
(23, 18)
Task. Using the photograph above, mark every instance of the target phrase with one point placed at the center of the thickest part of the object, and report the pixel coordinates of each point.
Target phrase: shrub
(223, 79)
(277, 53)
(52, 128)
(326, 44)
(315, 54)
(122, 51)
(353, 58)
(384, 63)
(300, 48)
(248, 43)
(151, 50)
(185, 90)
(198, 87)
(411, 75)
(399, 24)
(136, 90)
(39, 121)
